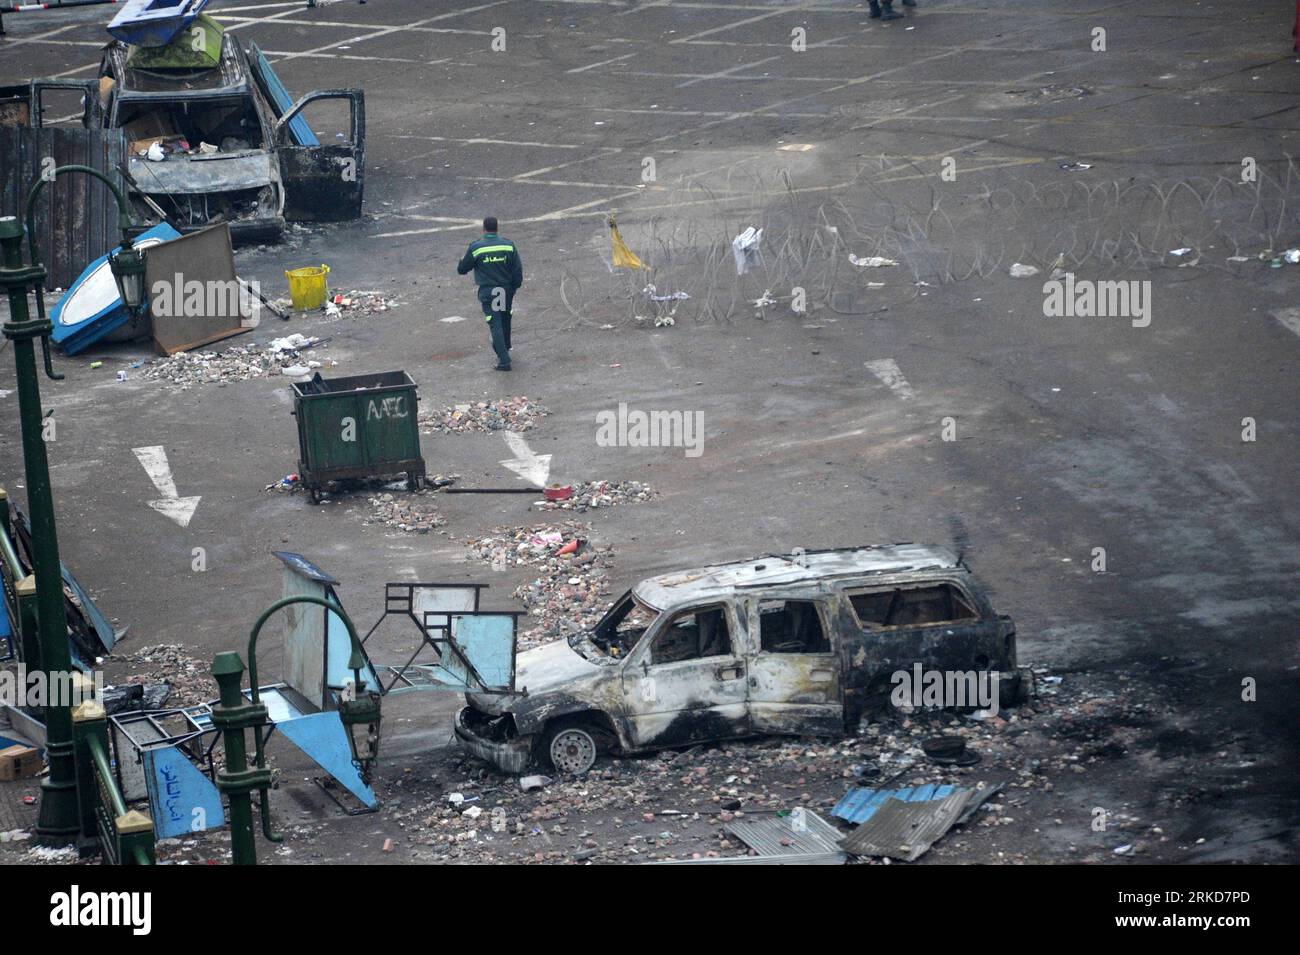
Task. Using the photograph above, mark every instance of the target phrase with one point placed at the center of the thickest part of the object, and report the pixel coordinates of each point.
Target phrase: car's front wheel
(569, 747)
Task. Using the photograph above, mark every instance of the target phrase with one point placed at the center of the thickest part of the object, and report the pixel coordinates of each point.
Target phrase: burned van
(805, 643)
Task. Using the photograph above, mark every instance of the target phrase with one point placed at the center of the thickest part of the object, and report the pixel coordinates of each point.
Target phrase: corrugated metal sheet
(76, 216)
(802, 833)
(859, 805)
(906, 830)
(904, 823)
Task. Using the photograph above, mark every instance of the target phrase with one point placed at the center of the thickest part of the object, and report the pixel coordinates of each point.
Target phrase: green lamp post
(59, 820)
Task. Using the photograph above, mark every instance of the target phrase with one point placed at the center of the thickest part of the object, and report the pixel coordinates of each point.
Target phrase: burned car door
(325, 182)
(794, 666)
(937, 624)
(685, 682)
(89, 102)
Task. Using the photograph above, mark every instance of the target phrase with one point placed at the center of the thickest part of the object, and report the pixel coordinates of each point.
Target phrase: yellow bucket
(307, 287)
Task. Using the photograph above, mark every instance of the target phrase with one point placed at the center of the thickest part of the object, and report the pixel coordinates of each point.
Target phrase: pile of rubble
(571, 590)
(506, 414)
(355, 303)
(190, 679)
(587, 494)
(238, 363)
(411, 511)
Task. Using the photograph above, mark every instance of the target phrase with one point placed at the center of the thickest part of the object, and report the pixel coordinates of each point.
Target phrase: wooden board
(194, 296)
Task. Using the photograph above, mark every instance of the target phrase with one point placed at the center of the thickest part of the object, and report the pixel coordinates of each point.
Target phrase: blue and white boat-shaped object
(154, 22)
(92, 307)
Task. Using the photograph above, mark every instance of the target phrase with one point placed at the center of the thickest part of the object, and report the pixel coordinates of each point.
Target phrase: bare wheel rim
(573, 751)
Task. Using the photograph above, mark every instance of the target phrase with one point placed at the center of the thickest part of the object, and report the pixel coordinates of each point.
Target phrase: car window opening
(791, 626)
(693, 635)
(911, 606)
(623, 626)
(229, 126)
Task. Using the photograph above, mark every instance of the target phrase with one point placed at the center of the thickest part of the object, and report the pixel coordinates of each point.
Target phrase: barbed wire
(935, 234)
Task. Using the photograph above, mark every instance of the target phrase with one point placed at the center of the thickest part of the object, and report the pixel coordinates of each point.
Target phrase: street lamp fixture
(361, 718)
(127, 266)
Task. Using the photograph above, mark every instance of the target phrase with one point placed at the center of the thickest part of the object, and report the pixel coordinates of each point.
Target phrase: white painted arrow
(887, 370)
(533, 468)
(171, 505)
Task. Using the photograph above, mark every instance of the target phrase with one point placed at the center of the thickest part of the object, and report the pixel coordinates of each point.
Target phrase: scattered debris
(238, 363)
(587, 494)
(746, 249)
(621, 256)
(355, 303)
(1075, 166)
(949, 751)
(800, 833)
(569, 594)
(906, 830)
(135, 697)
(20, 762)
(409, 511)
(289, 483)
(530, 783)
(1052, 92)
(45, 855)
(505, 414)
(652, 293)
(871, 261)
(190, 679)
(1019, 271)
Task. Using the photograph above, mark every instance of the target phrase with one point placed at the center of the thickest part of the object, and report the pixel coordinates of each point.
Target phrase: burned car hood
(222, 172)
(550, 667)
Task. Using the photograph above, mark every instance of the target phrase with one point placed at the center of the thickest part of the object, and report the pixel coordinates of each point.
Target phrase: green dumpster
(361, 426)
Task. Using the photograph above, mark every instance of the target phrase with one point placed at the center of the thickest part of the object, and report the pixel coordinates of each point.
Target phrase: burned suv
(800, 644)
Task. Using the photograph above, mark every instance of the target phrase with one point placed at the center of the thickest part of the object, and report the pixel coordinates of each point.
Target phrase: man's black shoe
(875, 9)
(889, 12)
(909, 3)
(500, 367)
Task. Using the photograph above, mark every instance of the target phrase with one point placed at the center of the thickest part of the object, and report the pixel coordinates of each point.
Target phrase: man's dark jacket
(495, 261)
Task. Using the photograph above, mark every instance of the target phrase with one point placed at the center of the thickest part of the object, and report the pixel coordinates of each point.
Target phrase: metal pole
(59, 822)
(237, 781)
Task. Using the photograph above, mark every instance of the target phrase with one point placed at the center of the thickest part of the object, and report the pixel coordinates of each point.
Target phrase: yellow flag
(624, 258)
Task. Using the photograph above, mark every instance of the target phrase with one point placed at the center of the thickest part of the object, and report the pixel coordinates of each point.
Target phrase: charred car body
(798, 644)
(228, 144)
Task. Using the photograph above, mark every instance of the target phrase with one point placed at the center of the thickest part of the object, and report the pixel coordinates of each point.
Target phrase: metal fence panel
(76, 216)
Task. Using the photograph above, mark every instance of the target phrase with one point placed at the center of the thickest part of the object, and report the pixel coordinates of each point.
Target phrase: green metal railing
(125, 836)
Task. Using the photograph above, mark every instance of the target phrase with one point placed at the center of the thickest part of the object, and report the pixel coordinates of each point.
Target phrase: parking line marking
(592, 66)
(1289, 318)
(887, 370)
(783, 11)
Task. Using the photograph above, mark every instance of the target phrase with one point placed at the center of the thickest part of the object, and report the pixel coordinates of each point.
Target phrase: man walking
(884, 9)
(498, 273)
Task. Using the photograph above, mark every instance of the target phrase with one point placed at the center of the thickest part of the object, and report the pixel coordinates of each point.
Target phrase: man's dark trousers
(498, 319)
